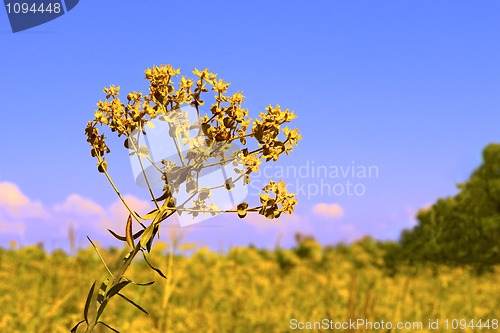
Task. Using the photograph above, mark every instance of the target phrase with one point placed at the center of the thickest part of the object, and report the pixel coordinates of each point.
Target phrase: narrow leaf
(95, 248)
(133, 303)
(111, 328)
(142, 225)
(150, 242)
(143, 284)
(101, 308)
(150, 215)
(128, 232)
(154, 268)
(73, 330)
(124, 239)
(140, 284)
(148, 234)
(102, 291)
(116, 288)
(164, 196)
(87, 303)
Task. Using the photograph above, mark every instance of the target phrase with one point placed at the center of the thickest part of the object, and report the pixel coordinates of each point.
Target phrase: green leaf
(140, 284)
(147, 235)
(229, 184)
(111, 328)
(143, 284)
(116, 288)
(258, 134)
(152, 267)
(130, 143)
(228, 122)
(150, 215)
(73, 330)
(102, 291)
(143, 151)
(264, 198)
(124, 239)
(165, 195)
(133, 303)
(128, 232)
(207, 128)
(101, 308)
(150, 243)
(191, 186)
(242, 209)
(87, 304)
(102, 166)
(97, 251)
(204, 194)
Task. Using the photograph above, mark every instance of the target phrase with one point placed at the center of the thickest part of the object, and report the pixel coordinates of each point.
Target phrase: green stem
(116, 280)
(134, 214)
(118, 276)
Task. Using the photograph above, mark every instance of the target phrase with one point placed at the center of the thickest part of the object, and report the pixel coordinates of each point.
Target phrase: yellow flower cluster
(226, 122)
(272, 207)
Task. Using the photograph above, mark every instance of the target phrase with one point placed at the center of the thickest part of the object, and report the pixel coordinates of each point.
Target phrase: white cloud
(11, 195)
(29, 219)
(328, 210)
(77, 204)
(117, 213)
(14, 205)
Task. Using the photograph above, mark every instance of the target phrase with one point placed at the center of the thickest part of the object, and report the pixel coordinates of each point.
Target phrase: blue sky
(411, 87)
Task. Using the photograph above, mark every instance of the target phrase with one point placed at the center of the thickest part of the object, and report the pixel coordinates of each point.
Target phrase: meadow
(244, 290)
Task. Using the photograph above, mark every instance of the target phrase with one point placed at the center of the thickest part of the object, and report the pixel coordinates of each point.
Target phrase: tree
(463, 230)
(201, 144)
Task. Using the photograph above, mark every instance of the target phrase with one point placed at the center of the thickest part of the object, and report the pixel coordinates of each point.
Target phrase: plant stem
(134, 214)
(116, 280)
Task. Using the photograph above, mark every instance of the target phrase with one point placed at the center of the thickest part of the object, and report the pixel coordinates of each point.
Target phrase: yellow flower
(185, 83)
(100, 117)
(220, 86)
(252, 162)
(112, 91)
(292, 135)
(237, 98)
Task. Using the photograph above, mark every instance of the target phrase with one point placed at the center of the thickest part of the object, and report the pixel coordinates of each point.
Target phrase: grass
(244, 290)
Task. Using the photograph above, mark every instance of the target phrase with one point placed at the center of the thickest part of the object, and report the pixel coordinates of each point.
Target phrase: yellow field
(245, 290)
